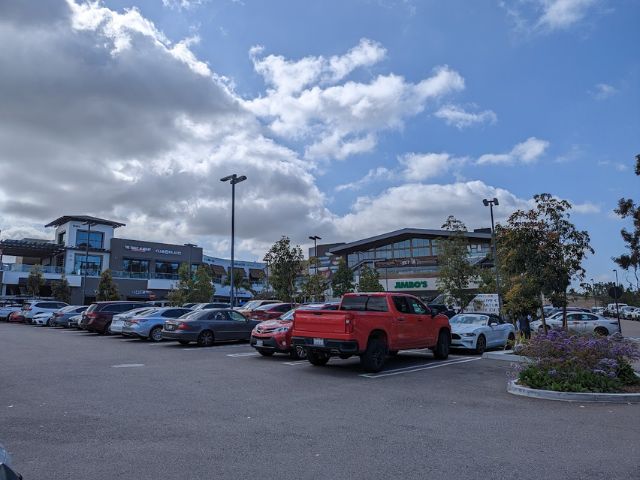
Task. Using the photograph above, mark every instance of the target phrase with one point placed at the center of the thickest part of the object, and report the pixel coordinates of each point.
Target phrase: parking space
(87, 406)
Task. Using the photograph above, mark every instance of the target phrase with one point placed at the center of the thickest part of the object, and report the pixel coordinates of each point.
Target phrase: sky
(350, 118)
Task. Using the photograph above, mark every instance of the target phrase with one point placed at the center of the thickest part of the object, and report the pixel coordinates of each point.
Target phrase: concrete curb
(515, 389)
(505, 356)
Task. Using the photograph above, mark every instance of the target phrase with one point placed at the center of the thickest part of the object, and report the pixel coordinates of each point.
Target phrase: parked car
(32, 307)
(580, 322)
(270, 311)
(42, 319)
(61, 317)
(208, 326)
(16, 317)
(189, 305)
(477, 331)
(118, 320)
(635, 314)
(441, 308)
(7, 309)
(251, 305)
(74, 322)
(626, 311)
(148, 325)
(209, 306)
(274, 336)
(372, 326)
(97, 318)
(611, 309)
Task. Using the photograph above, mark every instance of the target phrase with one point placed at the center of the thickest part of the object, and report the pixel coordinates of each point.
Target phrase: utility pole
(490, 204)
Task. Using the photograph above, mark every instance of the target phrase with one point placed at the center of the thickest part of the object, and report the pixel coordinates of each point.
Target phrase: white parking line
(297, 362)
(128, 365)
(247, 354)
(416, 368)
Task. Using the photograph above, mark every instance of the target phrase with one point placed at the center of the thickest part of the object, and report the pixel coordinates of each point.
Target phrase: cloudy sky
(349, 118)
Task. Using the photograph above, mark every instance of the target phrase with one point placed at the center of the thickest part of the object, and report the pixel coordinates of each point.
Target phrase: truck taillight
(348, 324)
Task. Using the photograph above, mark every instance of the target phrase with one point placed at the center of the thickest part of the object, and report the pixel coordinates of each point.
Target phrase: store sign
(137, 249)
(399, 284)
(161, 251)
(168, 252)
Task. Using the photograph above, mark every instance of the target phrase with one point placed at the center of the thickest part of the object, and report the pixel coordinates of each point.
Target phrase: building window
(136, 267)
(167, 268)
(61, 236)
(434, 248)
(95, 239)
(92, 264)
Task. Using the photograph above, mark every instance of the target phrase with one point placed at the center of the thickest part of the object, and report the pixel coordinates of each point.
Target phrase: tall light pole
(191, 246)
(490, 204)
(233, 180)
(315, 239)
(86, 261)
(616, 299)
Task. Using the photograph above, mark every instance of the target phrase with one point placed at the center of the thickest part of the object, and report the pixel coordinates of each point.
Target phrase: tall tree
(107, 288)
(239, 282)
(35, 281)
(342, 280)
(456, 269)
(314, 286)
(369, 280)
(179, 294)
(202, 288)
(61, 290)
(285, 263)
(630, 261)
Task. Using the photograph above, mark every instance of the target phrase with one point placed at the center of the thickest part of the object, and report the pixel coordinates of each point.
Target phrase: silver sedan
(580, 322)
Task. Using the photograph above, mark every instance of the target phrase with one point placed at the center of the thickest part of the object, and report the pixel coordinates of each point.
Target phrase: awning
(217, 270)
(30, 248)
(256, 274)
(238, 272)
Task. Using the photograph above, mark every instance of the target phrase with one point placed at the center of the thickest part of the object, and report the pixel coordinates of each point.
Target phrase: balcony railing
(20, 267)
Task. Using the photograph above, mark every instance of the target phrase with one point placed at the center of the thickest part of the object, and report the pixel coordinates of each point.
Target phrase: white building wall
(71, 229)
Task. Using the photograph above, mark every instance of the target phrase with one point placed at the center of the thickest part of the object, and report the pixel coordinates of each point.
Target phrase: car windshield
(251, 305)
(288, 317)
(469, 319)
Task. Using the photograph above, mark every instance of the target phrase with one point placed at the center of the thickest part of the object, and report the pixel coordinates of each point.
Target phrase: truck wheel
(441, 352)
(319, 359)
(298, 353)
(373, 358)
(265, 353)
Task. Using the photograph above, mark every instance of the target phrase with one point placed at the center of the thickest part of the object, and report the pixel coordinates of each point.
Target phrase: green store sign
(411, 285)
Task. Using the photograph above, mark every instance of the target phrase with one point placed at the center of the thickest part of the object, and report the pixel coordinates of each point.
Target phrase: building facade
(406, 260)
(84, 247)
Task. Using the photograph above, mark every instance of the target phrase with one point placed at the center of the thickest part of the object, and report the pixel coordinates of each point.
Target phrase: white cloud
(305, 101)
(460, 118)
(182, 4)
(528, 151)
(620, 167)
(602, 91)
(420, 166)
(380, 173)
(586, 208)
(547, 15)
(425, 206)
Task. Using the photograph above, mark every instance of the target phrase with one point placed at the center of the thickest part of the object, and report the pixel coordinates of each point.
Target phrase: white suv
(32, 307)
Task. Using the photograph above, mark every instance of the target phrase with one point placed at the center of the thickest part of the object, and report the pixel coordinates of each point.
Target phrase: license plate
(259, 343)
(318, 342)
(170, 327)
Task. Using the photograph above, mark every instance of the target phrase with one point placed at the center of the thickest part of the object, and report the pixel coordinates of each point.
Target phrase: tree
(342, 281)
(369, 280)
(202, 289)
(61, 290)
(179, 294)
(285, 263)
(107, 289)
(541, 248)
(35, 281)
(630, 261)
(240, 282)
(456, 269)
(314, 287)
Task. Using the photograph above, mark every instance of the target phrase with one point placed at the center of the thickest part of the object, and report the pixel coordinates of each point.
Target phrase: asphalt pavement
(75, 405)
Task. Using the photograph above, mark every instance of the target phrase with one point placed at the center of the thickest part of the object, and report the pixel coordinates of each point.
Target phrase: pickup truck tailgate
(319, 322)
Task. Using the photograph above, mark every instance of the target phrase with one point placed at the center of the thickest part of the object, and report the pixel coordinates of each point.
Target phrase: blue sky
(517, 98)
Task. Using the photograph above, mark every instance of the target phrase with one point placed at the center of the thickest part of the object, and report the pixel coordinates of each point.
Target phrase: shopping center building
(406, 260)
(84, 247)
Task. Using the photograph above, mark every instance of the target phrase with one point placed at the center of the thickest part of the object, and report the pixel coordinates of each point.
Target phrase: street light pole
(315, 239)
(490, 204)
(233, 179)
(86, 262)
(617, 309)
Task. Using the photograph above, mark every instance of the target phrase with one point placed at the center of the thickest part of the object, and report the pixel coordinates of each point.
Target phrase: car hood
(269, 324)
(464, 328)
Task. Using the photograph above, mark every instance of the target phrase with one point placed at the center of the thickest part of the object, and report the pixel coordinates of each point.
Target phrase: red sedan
(270, 311)
(16, 317)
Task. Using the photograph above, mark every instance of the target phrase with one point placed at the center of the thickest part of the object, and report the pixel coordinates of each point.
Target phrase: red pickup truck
(371, 325)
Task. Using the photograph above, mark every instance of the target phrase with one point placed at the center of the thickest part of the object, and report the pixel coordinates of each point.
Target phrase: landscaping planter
(515, 389)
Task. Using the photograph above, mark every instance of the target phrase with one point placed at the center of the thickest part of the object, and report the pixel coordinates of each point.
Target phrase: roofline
(402, 233)
(83, 218)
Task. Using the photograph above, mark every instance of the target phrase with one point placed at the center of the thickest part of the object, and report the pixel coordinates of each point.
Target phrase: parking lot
(81, 406)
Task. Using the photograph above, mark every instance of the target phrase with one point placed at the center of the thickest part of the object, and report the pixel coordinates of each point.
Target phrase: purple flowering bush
(579, 363)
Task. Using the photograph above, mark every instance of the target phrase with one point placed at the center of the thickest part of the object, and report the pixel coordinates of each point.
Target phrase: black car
(205, 327)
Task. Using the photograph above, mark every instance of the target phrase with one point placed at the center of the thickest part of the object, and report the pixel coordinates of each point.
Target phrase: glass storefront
(96, 239)
(135, 267)
(92, 264)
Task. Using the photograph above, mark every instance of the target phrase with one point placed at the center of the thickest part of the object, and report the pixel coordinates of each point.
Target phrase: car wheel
(183, 342)
(298, 353)
(48, 324)
(156, 334)
(441, 352)
(106, 330)
(373, 358)
(265, 353)
(511, 341)
(205, 339)
(601, 331)
(481, 345)
(317, 358)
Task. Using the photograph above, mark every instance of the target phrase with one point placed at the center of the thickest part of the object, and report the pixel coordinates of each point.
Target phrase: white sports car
(479, 331)
(580, 322)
